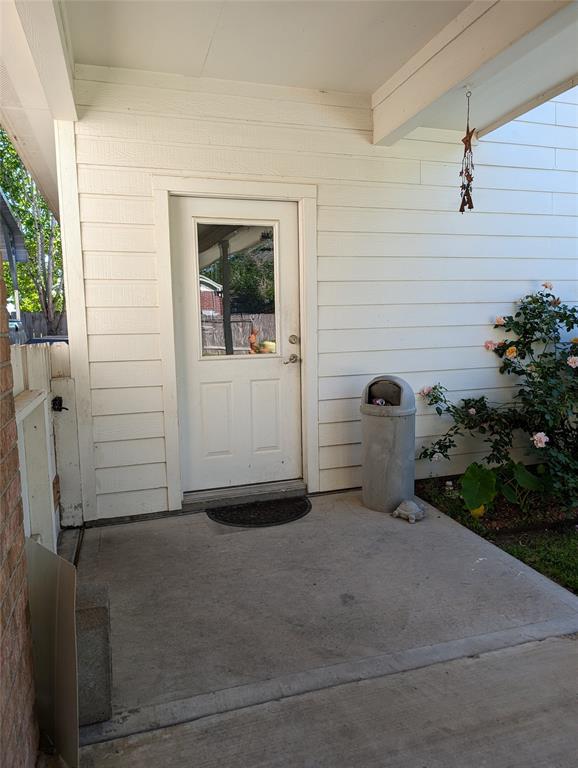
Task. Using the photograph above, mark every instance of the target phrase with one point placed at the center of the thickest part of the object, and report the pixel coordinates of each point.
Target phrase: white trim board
(73, 264)
(305, 195)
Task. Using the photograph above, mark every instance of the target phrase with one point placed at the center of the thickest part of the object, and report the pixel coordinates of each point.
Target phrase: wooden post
(226, 275)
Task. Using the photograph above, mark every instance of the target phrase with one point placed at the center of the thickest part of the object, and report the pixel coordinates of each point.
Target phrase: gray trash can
(388, 437)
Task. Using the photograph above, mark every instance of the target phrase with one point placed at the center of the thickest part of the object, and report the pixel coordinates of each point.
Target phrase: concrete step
(242, 494)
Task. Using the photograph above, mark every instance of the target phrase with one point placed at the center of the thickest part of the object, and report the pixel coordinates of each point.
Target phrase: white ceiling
(347, 45)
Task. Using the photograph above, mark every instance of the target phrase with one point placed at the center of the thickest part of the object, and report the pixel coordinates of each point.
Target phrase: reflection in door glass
(237, 289)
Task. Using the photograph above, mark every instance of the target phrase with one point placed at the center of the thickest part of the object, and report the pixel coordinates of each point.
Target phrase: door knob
(292, 359)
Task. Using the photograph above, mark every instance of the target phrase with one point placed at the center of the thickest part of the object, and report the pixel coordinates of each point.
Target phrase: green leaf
(526, 479)
(478, 485)
(509, 493)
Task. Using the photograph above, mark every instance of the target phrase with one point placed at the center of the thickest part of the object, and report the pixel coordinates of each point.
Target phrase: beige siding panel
(120, 266)
(131, 478)
(235, 161)
(134, 426)
(376, 316)
(443, 246)
(340, 433)
(167, 102)
(566, 114)
(124, 453)
(113, 181)
(347, 409)
(107, 402)
(494, 177)
(486, 154)
(352, 385)
(117, 320)
(518, 132)
(372, 268)
(442, 291)
(348, 220)
(116, 210)
(111, 348)
(337, 456)
(126, 374)
(339, 479)
(405, 338)
(351, 363)
(349, 432)
(211, 85)
(566, 205)
(214, 133)
(114, 238)
(218, 133)
(108, 293)
(567, 159)
(431, 198)
(132, 503)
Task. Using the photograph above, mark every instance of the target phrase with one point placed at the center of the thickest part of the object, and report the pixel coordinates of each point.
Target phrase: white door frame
(305, 195)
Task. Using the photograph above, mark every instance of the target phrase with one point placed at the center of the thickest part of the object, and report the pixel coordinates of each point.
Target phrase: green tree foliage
(40, 279)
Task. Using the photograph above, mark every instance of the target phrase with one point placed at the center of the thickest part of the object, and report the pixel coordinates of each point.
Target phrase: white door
(235, 275)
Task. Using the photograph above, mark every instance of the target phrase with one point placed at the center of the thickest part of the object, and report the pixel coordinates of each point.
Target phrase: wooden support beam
(43, 25)
(481, 32)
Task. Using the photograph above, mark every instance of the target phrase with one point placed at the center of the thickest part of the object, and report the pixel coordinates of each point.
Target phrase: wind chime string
(467, 172)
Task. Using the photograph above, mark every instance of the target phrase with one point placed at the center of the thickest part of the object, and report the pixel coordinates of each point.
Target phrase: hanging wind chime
(467, 172)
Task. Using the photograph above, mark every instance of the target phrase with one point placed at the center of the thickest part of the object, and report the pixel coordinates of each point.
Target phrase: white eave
(512, 56)
(35, 85)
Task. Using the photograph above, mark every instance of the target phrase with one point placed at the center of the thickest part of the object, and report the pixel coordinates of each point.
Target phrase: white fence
(47, 440)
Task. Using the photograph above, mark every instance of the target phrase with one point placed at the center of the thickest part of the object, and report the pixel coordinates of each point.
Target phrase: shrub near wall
(18, 729)
(540, 352)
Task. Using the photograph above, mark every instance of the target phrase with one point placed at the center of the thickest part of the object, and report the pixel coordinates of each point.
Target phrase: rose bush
(542, 356)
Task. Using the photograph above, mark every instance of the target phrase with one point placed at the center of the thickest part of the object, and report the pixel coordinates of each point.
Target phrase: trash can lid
(396, 392)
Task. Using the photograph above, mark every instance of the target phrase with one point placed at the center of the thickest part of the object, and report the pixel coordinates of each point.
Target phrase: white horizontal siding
(120, 266)
(130, 426)
(130, 373)
(409, 316)
(425, 270)
(131, 478)
(124, 453)
(127, 320)
(109, 402)
(434, 292)
(129, 503)
(406, 284)
(119, 347)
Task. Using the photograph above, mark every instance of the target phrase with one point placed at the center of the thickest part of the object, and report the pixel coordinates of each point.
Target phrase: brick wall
(18, 729)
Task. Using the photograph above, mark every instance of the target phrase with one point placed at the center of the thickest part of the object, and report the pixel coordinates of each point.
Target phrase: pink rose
(572, 361)
(472, 411)
(490, 345)
(425, 391)
(547, 285)
(500, 320)
(540, 439)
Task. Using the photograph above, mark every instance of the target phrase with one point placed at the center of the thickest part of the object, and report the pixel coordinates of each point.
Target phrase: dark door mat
(259, 514)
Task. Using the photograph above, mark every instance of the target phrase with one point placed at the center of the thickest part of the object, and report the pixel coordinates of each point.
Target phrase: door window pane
(237, 289)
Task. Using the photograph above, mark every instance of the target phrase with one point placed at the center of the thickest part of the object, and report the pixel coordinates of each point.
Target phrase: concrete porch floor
(208, 620)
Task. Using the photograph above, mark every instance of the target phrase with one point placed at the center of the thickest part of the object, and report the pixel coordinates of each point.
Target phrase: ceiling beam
(482, 31)
(43, 25)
